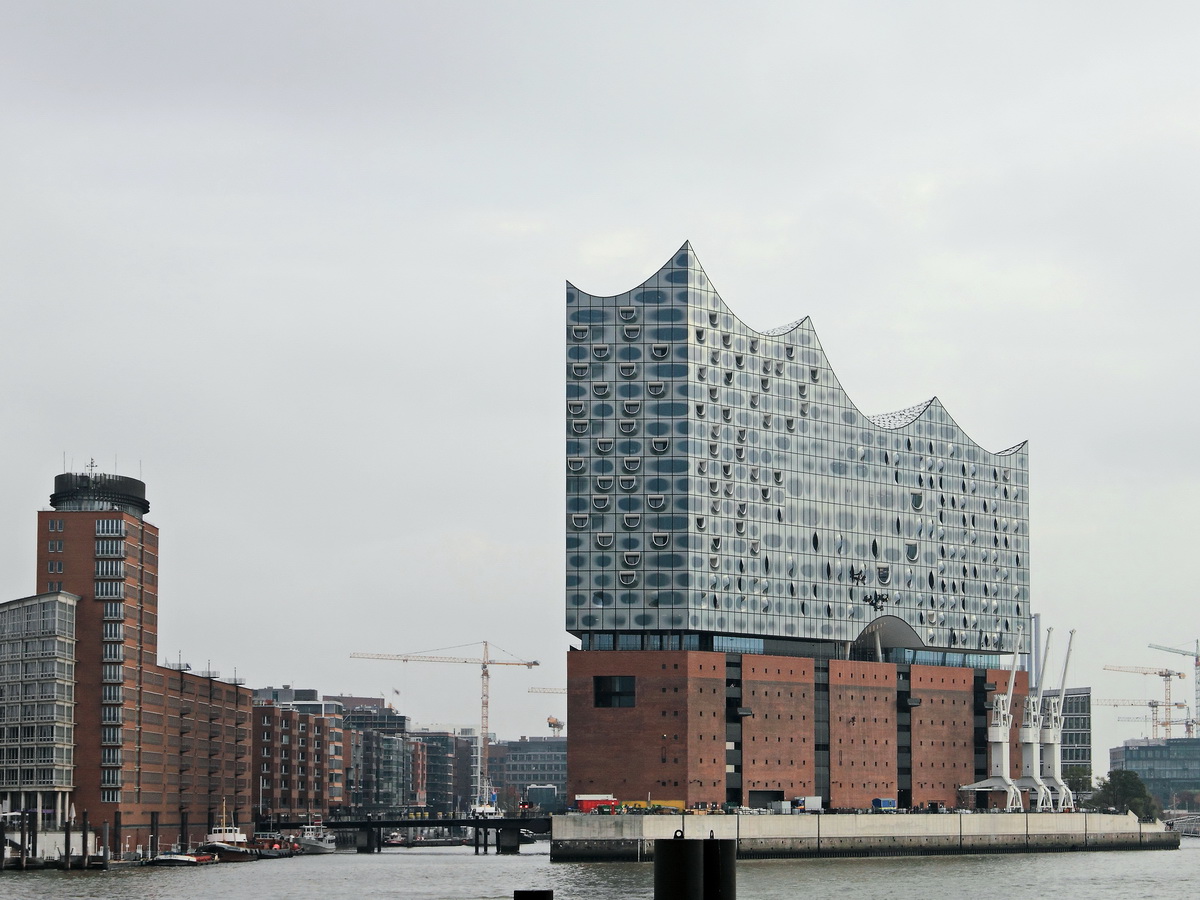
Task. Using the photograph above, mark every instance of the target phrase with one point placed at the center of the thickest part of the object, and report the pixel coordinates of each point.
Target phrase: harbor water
(457, 874)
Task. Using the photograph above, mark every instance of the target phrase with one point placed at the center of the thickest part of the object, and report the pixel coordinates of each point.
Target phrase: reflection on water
(455, 873)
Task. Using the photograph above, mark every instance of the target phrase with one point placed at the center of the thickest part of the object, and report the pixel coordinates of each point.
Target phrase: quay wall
(631, 838)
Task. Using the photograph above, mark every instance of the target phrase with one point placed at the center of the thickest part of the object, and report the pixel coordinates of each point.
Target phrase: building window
(612, 691)
(54, 567)
(55, 547)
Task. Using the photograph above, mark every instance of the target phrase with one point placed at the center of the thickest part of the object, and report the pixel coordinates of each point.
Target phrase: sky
(300, 267)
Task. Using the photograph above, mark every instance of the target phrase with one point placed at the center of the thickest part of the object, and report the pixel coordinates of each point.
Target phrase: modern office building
(158, 750)
(1077, 726)
(518, 765)
(37, 704)
(1168, 767)
(776, 594)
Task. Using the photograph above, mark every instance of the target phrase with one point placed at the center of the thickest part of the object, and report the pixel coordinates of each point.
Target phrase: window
(55, 547)
(54, 567)
(55, 524)
(614, 691)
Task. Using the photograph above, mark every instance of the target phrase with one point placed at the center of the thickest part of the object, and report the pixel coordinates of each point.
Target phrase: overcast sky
(300, 267)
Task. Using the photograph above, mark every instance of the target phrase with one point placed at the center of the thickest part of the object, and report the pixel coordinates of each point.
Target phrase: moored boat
(228, 842)
(182, 859)
(316, 838)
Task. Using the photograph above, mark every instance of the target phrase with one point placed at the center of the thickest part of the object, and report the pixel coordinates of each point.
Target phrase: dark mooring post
(66, 843)
(678, 869)
(720, 869)
(533, 895)
(83, 854)
(105, 857)
(695, 869)
(24, 839)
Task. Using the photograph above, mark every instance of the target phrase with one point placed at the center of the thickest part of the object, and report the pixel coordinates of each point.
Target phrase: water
(457, 874)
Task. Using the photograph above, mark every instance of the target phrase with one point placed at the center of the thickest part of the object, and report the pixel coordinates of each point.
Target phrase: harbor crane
(1165, 674)
(998, 745)
(1195, 654)
(1052, 732)
(1029, 735)
(1155, 706)
(481, 766)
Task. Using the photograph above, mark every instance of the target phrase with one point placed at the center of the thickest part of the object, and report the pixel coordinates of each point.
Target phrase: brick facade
(706, 727)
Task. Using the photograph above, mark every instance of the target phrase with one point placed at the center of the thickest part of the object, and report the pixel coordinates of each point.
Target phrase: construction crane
(541, 690)
(1195, 654)
(1189, 724)
(482, 788)
(1155, 706)
(1165, 674)
(555, 725)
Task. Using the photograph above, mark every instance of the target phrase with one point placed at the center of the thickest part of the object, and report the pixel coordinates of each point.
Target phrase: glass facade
(721, 483)
(1077, 726)
(37, 700)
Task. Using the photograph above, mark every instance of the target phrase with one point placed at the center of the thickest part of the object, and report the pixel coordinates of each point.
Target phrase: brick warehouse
(157, 748)
(846, 731)
(775, 594)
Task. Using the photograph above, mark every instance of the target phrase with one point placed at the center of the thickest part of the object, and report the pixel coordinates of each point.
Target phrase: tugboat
(228, 842)
(316, 838)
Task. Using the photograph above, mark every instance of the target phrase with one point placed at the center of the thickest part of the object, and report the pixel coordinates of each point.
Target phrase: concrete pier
(631, 838)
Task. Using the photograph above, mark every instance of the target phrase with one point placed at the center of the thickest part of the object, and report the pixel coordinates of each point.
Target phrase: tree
(1078, 779)
(1124, 791)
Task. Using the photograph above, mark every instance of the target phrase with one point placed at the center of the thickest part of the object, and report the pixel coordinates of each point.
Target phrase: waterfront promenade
(631, 838)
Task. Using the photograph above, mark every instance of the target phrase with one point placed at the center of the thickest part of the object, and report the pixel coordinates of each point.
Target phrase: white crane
(481, 785)
(1052, 729)
(1154, 705)
(1165, 674)
(998, 746)
(1029, 736)
(1195, 654)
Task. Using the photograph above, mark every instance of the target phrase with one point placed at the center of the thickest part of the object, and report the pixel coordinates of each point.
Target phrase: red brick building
(158, 749)
(298, 762)
(704, 727)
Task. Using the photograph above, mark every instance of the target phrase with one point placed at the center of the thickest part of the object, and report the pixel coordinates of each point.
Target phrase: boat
(272, 845)
(228, 842)
(316, 838)
(182, 859)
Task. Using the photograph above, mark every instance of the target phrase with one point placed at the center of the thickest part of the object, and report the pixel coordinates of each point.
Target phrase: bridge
(370, 830)
(1189, 826)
